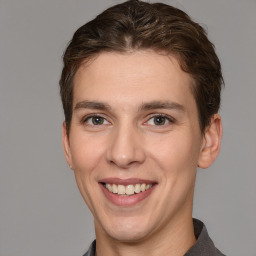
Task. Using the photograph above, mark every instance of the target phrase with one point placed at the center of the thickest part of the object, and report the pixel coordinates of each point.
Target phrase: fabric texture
(204, 246)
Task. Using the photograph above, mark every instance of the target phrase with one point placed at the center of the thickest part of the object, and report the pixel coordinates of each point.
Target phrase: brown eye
(97, 120)
(159, 120)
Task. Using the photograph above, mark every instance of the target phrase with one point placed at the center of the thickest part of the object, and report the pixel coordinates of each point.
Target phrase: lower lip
(126, 200)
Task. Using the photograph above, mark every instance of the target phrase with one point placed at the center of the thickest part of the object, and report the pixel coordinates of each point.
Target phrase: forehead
(132, 78)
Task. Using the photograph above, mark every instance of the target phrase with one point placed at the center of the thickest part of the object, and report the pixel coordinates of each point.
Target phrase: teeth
(109, 187)
(120, 189)
(137, 188)
(127, 190)
(114, 188)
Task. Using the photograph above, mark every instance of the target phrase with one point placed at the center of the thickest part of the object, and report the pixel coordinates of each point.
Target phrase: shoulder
(204, 244)
(91, 250)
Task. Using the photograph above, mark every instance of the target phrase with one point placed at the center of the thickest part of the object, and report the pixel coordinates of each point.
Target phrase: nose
(126, 147)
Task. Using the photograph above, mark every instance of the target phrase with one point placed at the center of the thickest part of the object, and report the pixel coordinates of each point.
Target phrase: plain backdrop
(41, 210)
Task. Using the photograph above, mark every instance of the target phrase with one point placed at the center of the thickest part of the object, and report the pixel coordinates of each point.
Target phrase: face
(134, 143)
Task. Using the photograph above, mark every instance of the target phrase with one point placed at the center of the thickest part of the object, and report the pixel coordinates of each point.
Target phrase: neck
(175, 240)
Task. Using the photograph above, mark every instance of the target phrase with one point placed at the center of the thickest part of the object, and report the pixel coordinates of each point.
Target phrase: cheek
(86, 151)
(176, 154)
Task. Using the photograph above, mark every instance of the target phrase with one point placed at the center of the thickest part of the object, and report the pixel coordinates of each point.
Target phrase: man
(141, 91)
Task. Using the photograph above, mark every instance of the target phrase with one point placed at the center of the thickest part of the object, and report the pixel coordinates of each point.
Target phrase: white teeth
(137, 188)
(114, 188)
(127, 190)
(109, 187)
(120, 189)
(148, 186)
(143, 187)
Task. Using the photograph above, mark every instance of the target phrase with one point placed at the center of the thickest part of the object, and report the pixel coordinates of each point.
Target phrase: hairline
(84, 62)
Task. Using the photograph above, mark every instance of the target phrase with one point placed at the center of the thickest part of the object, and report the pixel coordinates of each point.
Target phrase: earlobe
(66, 145)
(211, 142)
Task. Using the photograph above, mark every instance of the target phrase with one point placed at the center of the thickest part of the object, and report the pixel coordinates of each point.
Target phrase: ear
(66, 145)
(211, 142)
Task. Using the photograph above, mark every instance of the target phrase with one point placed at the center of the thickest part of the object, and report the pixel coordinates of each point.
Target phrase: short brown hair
(136, 25)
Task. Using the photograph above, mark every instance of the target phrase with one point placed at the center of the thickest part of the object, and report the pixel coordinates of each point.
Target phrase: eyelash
(86, 118)
(166, 117)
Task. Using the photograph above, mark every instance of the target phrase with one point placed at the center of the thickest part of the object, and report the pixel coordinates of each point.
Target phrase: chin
(128, 236)
(128, 232)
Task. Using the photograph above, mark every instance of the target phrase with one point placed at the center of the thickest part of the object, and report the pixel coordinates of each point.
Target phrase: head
(136, 25)
(141, 91)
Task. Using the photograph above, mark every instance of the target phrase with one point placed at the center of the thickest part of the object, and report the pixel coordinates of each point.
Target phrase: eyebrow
(144, 107)
(162, 105)
(92, 105)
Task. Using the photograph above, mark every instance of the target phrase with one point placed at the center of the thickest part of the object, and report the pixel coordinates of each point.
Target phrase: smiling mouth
(127, 190)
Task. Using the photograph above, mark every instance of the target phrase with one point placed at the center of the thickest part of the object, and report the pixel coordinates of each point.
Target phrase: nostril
(124, 164)
(125, 147)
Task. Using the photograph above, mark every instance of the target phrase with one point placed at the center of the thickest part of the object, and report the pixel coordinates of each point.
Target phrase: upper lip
(126, 182)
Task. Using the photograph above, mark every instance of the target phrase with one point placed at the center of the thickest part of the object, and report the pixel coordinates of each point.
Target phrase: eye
(95, 120)
(160, 120)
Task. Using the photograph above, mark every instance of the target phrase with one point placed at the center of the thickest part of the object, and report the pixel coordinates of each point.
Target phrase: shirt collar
(204, 245)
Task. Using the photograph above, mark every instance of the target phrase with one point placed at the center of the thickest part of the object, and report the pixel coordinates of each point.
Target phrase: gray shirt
(204, 246)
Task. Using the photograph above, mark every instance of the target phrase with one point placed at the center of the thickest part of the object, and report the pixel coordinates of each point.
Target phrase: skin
(129, 143)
